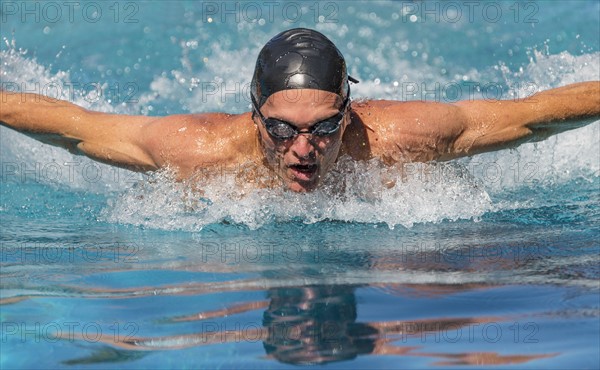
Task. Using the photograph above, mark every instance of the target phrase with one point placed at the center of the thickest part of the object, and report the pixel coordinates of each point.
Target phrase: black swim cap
(299, 58)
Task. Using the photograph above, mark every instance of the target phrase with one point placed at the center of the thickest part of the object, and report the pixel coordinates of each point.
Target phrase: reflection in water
(314, 325)
(309, 325)
(107, 354)
(310, 311)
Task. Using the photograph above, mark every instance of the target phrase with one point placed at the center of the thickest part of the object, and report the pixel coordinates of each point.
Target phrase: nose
(302, 147)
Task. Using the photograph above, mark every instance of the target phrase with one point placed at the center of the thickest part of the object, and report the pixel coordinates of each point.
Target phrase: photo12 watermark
(58, 254)
(448, 253)
(54, 331)
(91, 92)
(452, 92)
(486, 332)
(488, 173)
(267, 252)
(468, 11)
(49, 12)
(263, 12)
(68, 172)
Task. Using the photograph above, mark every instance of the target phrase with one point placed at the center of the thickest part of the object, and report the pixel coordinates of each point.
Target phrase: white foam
(430, 193)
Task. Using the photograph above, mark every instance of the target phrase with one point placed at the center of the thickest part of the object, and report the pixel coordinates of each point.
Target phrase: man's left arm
(494, 125)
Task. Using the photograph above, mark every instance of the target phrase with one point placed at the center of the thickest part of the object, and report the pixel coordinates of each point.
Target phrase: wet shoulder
(222, 130)
(398, 131)
(196, 140)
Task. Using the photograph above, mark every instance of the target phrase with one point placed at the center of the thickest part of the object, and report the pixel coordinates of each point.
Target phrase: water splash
(366, 192)
(561, 158)
(372, 194)
(26, 159)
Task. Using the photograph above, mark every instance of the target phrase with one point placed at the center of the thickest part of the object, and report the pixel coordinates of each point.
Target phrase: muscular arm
(109, 138)
(421, 131)
(493, 125)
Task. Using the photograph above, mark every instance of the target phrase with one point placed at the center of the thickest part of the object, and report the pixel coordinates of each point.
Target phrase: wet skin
(391, 131)
(302, 161)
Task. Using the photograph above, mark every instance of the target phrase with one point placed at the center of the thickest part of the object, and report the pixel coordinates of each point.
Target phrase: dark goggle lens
(279, 129)
(283, 130)
(329, 126)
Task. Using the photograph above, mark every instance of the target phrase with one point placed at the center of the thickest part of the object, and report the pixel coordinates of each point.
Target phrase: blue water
(489, 261)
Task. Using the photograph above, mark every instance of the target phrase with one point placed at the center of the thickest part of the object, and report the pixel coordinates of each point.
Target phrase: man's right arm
(109, 138)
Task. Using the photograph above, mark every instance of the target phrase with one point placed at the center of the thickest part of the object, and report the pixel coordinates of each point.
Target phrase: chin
(301, 187)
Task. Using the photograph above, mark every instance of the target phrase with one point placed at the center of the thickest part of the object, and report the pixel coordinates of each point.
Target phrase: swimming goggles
(282, 130)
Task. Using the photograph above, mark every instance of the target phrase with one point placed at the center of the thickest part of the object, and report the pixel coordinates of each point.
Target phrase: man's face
(302, 161)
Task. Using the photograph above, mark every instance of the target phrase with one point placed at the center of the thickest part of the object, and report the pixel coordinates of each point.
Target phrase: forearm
(549, 108)
(556, 110)
(492, 125)
(109, 138)
(37, 114)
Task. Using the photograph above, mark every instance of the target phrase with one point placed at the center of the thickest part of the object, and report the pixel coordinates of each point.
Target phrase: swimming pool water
(486, 261)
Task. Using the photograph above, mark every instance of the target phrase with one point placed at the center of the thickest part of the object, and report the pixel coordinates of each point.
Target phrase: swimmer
(302, 121)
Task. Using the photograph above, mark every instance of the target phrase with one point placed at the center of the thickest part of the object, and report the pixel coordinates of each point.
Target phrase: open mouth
(303, 171)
